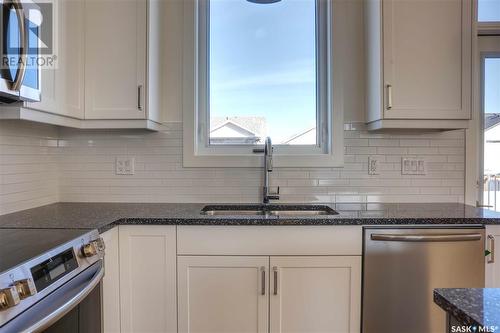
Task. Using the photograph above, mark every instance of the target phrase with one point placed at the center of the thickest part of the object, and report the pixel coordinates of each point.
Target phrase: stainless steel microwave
(20, 52)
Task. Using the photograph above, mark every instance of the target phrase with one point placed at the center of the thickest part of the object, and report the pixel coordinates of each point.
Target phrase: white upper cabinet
(62, 87)
(70, 90)
(115, 59)
(418, 63)
(108, 72)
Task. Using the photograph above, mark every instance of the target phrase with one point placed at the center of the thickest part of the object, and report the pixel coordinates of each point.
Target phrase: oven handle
(425, 237)
(69, 305)
(21, 70)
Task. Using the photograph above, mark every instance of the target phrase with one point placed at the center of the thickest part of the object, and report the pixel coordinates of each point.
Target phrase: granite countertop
(471, 306)
(104, 215)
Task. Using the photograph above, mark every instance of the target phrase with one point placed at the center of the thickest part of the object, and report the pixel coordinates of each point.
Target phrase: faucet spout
(268, 168)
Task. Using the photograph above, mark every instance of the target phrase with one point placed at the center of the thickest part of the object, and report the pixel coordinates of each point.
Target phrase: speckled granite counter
(471, 306)
(104, 215)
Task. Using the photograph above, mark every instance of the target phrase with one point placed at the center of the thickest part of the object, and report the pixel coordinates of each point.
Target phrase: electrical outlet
(373, 165)
(125, 165)
(413, 166)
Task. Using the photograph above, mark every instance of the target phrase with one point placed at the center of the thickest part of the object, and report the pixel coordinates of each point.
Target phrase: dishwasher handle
(426, 237)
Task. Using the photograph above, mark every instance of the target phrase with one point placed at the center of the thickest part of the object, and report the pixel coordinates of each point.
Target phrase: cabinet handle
(491, 258)
(389, 96)
(275, 277)
(139, 97)
(263, 281)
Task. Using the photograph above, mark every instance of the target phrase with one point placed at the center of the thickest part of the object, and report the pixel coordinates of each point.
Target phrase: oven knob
(8, 298)
(89, 250)
(25, 288)
(99, 242)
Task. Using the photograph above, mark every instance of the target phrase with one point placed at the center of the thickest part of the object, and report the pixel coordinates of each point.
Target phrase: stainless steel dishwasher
(402, 266)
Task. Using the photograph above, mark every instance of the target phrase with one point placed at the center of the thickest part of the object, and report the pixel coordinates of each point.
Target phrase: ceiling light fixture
(263, 2)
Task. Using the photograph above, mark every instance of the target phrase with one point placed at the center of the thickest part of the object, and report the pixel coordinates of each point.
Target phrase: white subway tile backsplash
(40, 165)
(384, 142)
(392, 150)
(448, 143)
(414, 143)
(161, 177)
(356, 142)
(361, 150)
(452, 150)
(28, 165)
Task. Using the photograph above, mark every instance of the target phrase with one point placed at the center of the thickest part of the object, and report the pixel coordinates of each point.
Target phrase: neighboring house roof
(302, 137)
(491, 120)
(237, 130)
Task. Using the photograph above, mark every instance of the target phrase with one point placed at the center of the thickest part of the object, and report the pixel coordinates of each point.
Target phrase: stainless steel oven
(55, 291)
(20, 51)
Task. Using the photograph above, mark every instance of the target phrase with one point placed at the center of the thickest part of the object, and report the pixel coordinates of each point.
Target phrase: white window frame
(196, 150)
(485, 28)
(474, 135)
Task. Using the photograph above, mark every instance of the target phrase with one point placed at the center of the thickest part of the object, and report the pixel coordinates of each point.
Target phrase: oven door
(20, 43)
(74, 307)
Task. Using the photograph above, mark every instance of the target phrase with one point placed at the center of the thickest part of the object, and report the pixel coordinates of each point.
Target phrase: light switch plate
(125, 165)
(413, 166)
(373, 166)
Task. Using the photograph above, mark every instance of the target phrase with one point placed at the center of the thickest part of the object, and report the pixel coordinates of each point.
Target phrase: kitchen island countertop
(104, 216)
(475, 307)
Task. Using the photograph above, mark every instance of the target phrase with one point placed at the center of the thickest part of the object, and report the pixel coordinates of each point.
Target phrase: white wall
(81, 168)
(28, 165)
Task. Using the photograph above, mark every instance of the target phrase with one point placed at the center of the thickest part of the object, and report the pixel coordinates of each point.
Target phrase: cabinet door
(115, 59)
(70, 79)
(48, 99)
(147, 278)
(492, 272)
(111, 282)
(223, 294)
(62, 86)
(427, 59)
(315, 294)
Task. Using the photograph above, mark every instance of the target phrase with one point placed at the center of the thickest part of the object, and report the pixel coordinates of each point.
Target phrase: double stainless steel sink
(268, 210)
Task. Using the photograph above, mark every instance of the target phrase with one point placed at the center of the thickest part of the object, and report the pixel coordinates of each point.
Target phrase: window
(488, 11)
(262, 68)
(262, 75)
(491, 130)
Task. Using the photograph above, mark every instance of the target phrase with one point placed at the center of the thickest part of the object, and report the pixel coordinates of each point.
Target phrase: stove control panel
(25, 285)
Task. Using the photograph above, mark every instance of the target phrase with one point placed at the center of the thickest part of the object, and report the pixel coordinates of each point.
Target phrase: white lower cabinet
(148, 278)
(304, 294)
(111, 282)
(492, 271)
(223, 294)
(315, 294)
(213, 279)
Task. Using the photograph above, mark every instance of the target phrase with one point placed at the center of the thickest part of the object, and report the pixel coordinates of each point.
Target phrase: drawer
(269, 240)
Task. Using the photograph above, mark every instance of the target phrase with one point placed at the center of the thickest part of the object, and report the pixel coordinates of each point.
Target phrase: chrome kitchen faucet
(268, 168)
